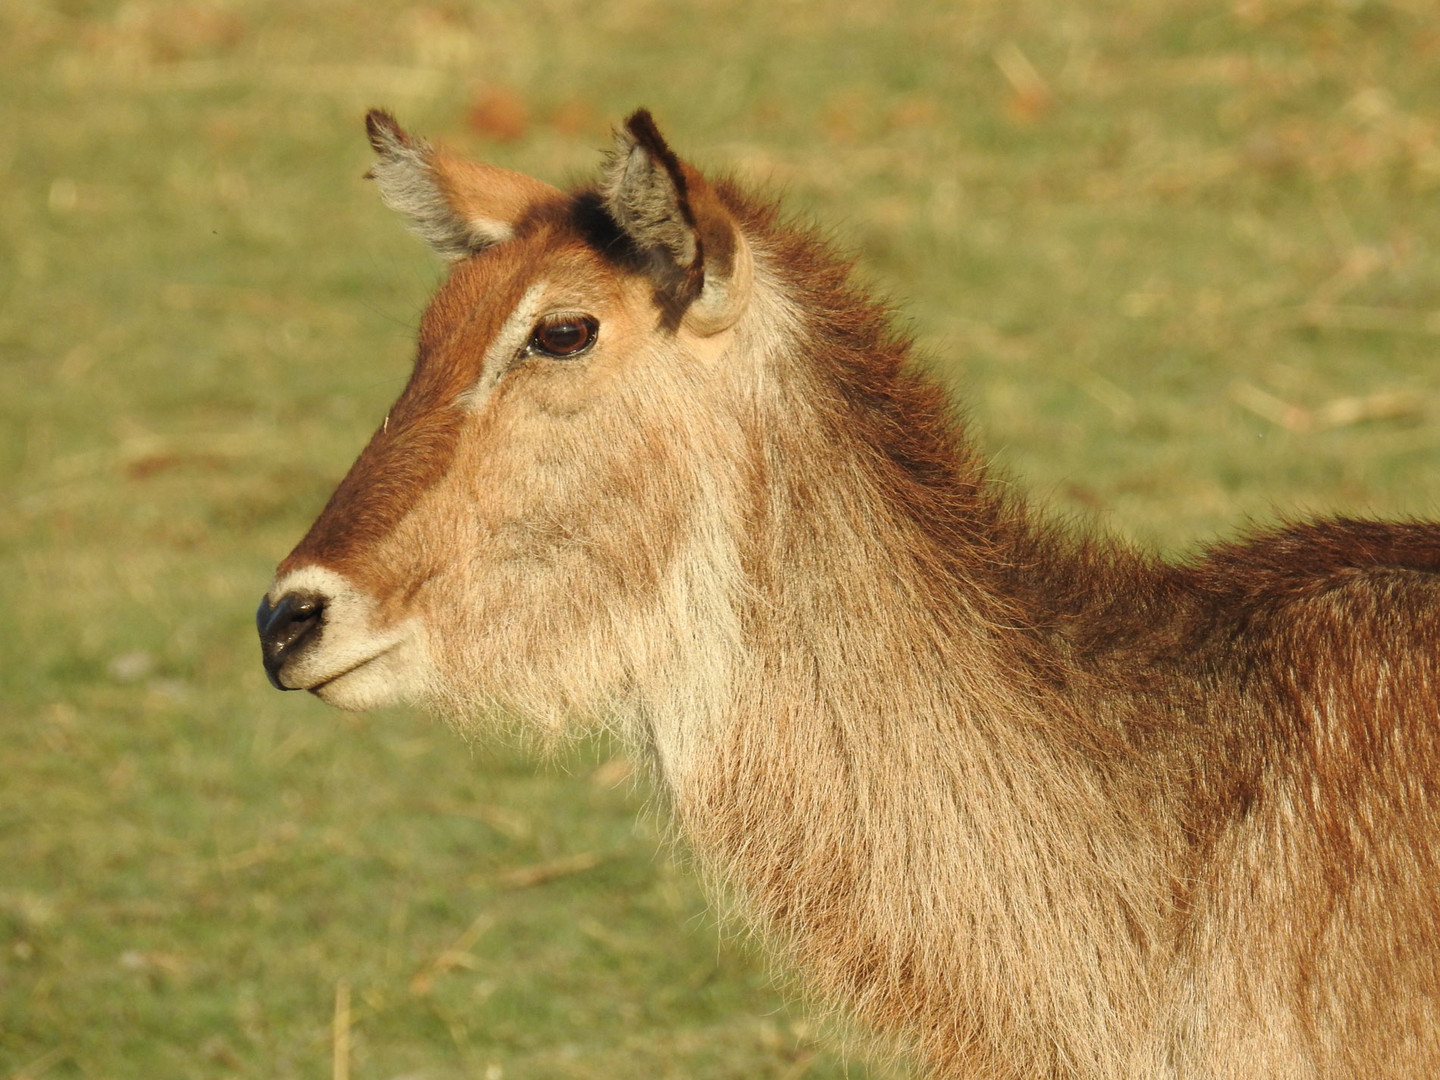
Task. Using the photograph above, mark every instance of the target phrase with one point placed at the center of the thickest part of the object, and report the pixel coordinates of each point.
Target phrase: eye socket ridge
(564, 335)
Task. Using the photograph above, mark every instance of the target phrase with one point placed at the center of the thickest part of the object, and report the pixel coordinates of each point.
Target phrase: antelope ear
(699, 259)
(457, 206)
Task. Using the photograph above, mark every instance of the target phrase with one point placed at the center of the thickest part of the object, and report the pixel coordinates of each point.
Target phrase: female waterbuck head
(518, 528)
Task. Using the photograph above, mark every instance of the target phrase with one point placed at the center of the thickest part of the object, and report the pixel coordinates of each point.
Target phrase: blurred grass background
(1181, 259)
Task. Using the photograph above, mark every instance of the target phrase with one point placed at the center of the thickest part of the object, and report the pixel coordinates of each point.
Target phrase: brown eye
(564, 335)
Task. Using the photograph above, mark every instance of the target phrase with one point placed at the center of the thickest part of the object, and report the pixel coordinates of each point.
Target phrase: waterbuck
(1027, 802)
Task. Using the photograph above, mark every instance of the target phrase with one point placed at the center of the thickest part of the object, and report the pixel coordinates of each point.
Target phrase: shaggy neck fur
(891, 686)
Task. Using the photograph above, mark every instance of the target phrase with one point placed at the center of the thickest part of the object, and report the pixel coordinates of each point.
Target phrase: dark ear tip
(384, 131)
(641, 126)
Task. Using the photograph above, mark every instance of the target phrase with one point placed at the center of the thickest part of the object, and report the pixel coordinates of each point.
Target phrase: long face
(516, 521)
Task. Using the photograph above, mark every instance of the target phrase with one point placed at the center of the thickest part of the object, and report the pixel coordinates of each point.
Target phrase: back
(1322, 842)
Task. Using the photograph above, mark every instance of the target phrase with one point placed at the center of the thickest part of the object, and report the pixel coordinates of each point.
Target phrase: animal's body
(1031, 803)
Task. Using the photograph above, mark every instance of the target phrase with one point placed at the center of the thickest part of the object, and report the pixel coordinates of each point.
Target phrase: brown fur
(1031, 803)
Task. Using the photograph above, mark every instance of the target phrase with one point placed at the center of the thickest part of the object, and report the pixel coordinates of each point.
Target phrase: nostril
(285, 627)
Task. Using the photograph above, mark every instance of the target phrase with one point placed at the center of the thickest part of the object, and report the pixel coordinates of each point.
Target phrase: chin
(357, 692)
(394, 677)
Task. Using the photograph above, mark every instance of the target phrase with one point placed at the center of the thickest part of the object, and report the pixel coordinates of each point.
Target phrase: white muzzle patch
(352, 663)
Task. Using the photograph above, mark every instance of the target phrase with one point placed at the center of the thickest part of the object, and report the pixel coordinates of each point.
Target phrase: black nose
(284, 628)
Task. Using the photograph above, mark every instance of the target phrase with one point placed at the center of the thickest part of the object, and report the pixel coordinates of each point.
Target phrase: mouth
(329, 680)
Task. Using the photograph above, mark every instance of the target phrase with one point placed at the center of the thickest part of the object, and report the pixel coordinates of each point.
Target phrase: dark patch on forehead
(582, 216)
(585, 216)
(593, 222)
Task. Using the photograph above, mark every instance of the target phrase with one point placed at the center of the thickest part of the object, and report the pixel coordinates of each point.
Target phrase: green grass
(1180, 259)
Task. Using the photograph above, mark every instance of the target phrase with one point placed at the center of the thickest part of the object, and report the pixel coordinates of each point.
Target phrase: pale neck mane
(871, 744)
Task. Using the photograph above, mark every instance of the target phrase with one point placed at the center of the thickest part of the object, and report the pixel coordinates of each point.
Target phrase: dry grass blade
(524, 877)
(613, 773)
(456, 955)
(1385, 405)
(507, 822)
(1360, 317)
(40, 1065)
(1269, 407)
(1032, 95)
(1337, 413)
(340, 1033)
(240, 860)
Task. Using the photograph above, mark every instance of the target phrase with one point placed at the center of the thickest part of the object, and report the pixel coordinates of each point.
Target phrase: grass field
(1181, 259)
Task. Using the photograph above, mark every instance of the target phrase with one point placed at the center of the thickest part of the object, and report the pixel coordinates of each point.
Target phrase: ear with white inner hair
(458, 207)
(699, 260)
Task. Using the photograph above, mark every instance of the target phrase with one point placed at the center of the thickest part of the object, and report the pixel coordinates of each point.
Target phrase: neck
(898, 796)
